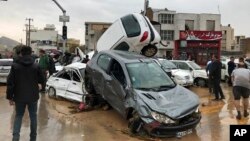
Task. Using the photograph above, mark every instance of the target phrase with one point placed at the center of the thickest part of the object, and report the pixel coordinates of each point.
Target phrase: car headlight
(178, 77)
(161, 118)
(197, 110)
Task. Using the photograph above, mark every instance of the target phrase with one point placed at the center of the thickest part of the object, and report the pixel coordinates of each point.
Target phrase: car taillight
(144, 36)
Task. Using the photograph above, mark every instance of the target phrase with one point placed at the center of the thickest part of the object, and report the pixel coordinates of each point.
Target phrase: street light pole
(64, 22)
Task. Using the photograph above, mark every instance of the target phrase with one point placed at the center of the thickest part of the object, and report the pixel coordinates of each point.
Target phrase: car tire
(52, 92)
(149, 50)
(135, 124)
(201, 82)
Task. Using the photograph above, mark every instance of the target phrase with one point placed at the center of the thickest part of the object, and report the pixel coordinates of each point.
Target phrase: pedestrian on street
(44, 65)
(231, 67)
(23, 90)
(241, 88)
(86, 59)
(215, 73)
(241, 60)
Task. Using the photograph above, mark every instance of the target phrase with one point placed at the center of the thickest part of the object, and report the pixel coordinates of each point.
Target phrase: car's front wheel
(149, 50)
(201, 82)
(52, 92)
(135, 123)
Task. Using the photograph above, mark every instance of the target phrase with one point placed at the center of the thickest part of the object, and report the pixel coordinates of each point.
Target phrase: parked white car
(5, 66)
(134, 33)
(181, 77)
(68, 83)
(199, 74)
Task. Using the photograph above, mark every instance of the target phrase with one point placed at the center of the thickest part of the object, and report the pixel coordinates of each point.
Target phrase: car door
(115, 85)
(100, 73)
(74, 90)
(61, 82)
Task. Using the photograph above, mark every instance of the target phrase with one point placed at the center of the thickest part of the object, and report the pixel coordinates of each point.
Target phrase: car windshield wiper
(144, 89)
(164, 87)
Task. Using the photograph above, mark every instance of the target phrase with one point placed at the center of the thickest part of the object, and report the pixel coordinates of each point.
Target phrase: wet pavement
(56, 122)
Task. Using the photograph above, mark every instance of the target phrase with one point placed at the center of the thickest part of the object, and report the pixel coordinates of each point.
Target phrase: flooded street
(56, 122)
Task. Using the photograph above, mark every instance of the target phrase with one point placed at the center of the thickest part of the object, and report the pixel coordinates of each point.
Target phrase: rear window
(6, 63)
(131, 26)
(103, 62)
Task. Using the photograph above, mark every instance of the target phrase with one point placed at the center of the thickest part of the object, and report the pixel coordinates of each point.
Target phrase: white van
(134, 33)
(199, 74)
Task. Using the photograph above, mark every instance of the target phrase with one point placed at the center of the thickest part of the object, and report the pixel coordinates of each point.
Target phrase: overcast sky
(14, 12)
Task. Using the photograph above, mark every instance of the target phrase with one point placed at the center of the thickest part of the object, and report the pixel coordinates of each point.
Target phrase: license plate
(184, 133)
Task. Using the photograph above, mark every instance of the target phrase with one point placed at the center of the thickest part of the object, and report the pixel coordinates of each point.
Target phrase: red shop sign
(200, 35)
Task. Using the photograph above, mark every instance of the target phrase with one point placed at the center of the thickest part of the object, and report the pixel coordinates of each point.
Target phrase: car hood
(200, 73)
(180, 72)
(175, 103)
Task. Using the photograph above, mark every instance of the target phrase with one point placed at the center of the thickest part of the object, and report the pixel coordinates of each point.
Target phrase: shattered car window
(148, 75)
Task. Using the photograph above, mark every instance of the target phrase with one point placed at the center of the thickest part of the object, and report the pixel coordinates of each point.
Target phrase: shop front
(198, 46)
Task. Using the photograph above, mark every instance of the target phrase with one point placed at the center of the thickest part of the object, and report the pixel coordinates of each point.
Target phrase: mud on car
(143, 93)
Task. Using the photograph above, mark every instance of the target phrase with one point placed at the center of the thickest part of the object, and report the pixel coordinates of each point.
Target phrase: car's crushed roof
(126, 56)
(76, 65)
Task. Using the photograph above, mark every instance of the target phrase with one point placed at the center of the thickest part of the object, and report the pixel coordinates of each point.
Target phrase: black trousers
(217, 89)
(45, 78)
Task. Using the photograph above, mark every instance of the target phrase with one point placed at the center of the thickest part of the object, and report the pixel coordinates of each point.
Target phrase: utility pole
(146, 3)
(28, 37)
(63, 19)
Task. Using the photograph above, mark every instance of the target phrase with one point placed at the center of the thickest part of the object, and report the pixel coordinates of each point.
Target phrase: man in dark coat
(215, 72)
(231, 67)
(23, 90)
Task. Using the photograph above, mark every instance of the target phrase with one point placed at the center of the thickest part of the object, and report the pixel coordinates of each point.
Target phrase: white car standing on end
(133, 33)
(181, 77)
(68, 83)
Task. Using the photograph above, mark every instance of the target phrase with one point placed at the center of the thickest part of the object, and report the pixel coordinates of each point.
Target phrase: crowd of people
(239, 79)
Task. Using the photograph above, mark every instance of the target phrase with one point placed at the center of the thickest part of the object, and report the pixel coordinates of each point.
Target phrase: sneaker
(238, 117)
(246, 114)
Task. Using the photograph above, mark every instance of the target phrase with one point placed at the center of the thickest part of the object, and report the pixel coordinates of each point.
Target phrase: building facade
(228, 42)
(173, 23)
(93, 31)
(46, 38)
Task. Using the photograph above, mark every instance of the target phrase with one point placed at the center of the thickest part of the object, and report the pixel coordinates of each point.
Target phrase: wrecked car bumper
(157, 129)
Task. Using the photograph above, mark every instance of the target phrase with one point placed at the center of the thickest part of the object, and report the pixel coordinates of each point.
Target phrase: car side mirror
(190, 69)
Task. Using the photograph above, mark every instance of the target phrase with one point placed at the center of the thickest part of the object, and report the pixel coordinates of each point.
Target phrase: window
(182, 65)
(131, 26)
(65, 75)
(210, 25)
(76, 76)
(122, 46)
(6, 63)
(117, 72)
(189, 25)
(86, 29)
(166, 18)
(103, 62)
(167, 35)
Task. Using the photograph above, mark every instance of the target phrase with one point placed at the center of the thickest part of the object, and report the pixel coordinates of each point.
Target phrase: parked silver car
(143, 93)
(5, 66)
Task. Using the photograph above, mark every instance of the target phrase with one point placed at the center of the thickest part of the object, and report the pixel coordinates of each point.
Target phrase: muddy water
(56, 121)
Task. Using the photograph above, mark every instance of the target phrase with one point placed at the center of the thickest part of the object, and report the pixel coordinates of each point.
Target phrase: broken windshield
(148, 76)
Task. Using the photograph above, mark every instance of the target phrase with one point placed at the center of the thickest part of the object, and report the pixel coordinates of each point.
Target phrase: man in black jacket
(215, 72)
(23, 90)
